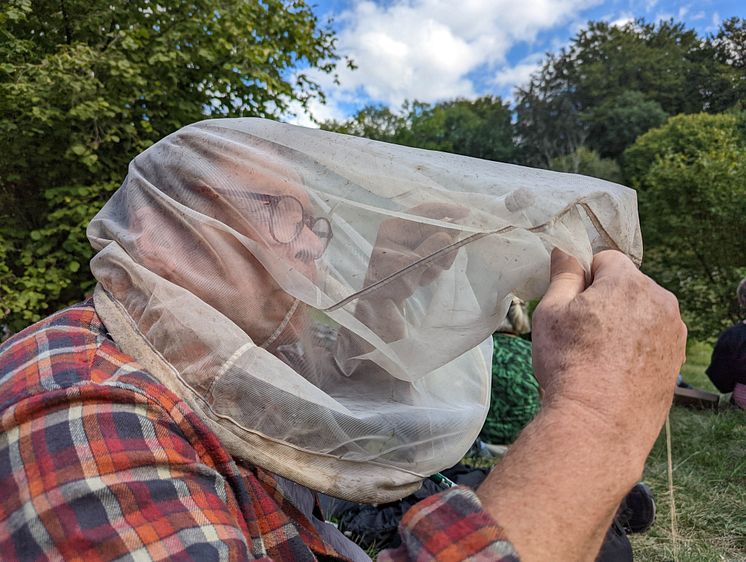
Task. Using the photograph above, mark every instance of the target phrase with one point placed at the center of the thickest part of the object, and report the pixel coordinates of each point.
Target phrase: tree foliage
(588, 163)
(86, 85)
(615, 123)
(723, 85)
(374, 122)
(480, 128)
(691, 178)
(615, 82)
(550, 122)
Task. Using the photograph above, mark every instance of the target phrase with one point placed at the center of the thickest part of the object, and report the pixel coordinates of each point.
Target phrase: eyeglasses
(287, 218)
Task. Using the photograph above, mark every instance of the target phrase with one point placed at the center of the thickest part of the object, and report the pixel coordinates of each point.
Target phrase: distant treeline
(85, 85)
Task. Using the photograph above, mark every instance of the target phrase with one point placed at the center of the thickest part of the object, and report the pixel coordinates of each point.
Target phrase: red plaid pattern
(449, 527)
(98, 461)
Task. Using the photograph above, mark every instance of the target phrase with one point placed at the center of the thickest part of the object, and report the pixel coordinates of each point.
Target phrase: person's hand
(606, 353)
(612, 349)
(401, 243)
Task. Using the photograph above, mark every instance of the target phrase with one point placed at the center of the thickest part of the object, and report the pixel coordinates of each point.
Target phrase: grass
(709, 477)
(697, 359)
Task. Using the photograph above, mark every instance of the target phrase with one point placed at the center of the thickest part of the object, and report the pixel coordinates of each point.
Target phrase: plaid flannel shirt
(99, 461)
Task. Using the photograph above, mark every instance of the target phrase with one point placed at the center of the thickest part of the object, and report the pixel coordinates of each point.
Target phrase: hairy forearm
(556, 491)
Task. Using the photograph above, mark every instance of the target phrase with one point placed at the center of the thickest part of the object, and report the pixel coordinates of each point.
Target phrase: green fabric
(515, 392)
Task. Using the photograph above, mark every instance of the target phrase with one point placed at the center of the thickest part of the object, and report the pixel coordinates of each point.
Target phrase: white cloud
(622, 19)
(320, 111)
(662, 16)
(427, 49)
(508, 78)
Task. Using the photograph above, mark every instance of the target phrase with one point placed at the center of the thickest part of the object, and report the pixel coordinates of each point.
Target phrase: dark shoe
(637, 512)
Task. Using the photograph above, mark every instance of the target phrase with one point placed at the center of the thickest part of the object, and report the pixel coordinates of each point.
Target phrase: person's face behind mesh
(275, 211)
(279, 215)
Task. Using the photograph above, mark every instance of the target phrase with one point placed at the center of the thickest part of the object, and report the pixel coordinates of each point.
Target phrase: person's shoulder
(737, 327)
(68, 328)
(68, 348)
(734, 334)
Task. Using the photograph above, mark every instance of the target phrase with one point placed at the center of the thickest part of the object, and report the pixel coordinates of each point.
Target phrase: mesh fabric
(321, 298)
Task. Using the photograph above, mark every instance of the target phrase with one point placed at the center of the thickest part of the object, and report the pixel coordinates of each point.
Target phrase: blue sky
(433, 50)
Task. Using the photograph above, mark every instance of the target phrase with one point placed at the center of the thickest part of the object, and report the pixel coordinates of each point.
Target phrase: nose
(308, 247)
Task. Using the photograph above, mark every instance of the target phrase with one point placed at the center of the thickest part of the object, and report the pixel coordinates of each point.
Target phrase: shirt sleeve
(448, 527)
(98, 473)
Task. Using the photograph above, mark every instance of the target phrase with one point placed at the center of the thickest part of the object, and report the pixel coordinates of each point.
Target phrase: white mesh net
(321, 299)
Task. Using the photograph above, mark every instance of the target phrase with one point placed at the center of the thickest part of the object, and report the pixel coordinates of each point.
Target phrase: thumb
(567, 279)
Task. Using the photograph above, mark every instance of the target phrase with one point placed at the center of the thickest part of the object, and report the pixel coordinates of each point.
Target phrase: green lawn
(709, 476)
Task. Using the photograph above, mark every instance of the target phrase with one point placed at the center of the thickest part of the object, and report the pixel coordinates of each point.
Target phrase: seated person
(129, 423)
(727, 369)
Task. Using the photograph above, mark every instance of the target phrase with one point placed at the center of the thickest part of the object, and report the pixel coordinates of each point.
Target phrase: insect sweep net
(321, 300)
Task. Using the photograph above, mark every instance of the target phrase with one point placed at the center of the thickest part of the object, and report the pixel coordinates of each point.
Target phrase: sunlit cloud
(508, 78)
(426, 49)
(622, 19)
(431, 50)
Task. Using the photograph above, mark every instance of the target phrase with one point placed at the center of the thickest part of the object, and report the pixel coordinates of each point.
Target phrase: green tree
(374, 122)
(722, 85)
(654, 59)
(549, 120)
(480, 128)
(587, 162)
(617, 122)
(614, 82)
(86, 85)
(691, 178)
